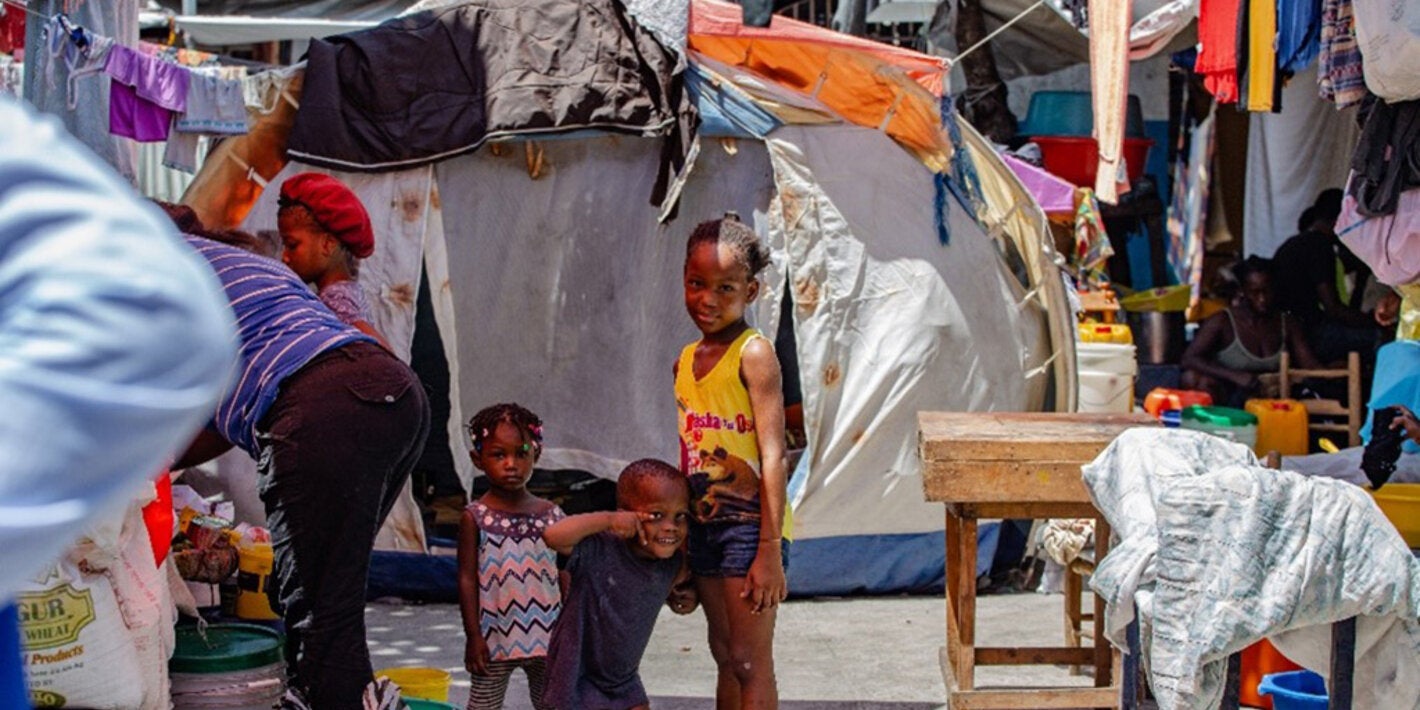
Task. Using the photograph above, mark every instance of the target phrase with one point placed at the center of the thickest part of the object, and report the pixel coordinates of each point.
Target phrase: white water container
(1106, 375)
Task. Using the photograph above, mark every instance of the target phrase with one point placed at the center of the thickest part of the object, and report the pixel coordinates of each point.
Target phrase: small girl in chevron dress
(508, 582)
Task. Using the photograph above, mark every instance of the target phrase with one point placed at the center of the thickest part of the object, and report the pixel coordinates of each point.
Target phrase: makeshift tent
(554, 283)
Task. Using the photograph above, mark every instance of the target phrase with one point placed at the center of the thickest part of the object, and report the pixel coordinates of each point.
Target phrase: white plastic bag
(1388, 35)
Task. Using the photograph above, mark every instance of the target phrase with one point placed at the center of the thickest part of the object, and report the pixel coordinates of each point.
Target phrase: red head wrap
(334, 207)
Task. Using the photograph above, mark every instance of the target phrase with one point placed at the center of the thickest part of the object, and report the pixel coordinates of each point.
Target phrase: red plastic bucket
(1076, 158)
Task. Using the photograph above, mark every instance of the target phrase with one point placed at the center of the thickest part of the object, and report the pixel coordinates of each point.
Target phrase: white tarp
(1219, 552)
(889, 322)
(1291, 157)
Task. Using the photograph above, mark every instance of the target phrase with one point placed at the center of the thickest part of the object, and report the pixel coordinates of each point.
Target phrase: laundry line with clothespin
(952, 61)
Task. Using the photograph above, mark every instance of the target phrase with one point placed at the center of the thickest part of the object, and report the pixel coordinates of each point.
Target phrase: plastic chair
(1350, 409)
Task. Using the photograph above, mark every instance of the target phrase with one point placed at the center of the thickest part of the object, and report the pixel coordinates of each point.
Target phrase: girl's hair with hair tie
(481, 426)
(736, 235)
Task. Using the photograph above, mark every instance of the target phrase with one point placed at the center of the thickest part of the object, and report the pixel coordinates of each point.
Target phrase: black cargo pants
(335, 450)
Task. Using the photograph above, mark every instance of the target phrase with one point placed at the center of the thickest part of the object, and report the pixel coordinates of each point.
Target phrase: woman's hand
(1408, 422)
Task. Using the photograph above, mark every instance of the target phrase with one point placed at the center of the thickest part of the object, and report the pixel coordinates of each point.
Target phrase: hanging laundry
(1388, 35)
(214, 105)
(1387, 158)
(145, 94)
(1259, 25)
(1109, 91)
(190, 58)
(1218, 55)
(12, 75)
(1340, 75)
(1092, 247)
(1390, 244)
(12, 30)
(1298, 34)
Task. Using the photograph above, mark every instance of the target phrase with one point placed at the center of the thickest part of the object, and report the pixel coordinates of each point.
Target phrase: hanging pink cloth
(1109, 85)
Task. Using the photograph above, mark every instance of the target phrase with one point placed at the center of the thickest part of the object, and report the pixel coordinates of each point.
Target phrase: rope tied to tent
(952, 61)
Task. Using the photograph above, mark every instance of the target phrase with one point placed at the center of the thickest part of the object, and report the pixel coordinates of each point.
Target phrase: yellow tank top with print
(719, 451)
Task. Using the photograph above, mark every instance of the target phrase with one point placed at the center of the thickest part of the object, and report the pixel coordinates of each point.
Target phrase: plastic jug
(254, 563)
(1161, 399)
(1281, 426)
(1117, 333)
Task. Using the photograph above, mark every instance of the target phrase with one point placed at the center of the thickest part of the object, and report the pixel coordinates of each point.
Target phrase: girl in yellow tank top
(731, 421)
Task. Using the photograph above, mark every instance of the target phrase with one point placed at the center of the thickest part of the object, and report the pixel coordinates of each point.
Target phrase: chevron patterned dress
(517, 582)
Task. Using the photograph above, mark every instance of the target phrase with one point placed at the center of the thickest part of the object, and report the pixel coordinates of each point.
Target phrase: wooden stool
(1016, 466)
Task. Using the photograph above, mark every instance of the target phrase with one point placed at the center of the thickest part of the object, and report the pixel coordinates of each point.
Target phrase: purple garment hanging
(144, 95)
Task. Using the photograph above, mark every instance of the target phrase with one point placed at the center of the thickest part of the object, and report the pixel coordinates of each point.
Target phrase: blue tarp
(725, 112)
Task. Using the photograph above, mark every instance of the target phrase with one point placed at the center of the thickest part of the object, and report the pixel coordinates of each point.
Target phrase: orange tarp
(867, 83)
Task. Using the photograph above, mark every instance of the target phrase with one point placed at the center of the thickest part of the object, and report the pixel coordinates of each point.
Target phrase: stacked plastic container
(1107, 368)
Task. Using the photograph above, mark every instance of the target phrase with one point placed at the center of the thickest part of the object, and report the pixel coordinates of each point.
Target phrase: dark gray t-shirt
(611, 607)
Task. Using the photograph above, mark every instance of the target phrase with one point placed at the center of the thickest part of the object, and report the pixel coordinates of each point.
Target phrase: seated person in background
(1245, 340)
(1320, 282)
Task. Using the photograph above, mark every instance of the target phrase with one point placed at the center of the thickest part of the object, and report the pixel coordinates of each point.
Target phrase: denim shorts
(727, 549)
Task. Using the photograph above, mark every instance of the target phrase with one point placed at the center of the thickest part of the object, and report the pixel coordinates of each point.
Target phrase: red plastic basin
(1076, 158)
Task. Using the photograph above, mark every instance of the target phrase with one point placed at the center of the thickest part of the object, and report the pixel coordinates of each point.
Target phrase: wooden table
(1015, 466)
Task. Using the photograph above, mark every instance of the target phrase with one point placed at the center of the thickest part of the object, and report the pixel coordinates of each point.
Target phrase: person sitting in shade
(1245, 340)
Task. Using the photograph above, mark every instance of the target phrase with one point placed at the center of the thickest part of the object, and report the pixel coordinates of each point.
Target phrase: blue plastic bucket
(1294, 690)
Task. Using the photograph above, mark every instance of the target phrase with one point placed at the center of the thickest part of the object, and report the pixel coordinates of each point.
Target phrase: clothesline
(951, 61)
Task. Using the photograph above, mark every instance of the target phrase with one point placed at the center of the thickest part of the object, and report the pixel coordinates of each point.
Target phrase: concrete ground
(870, 653)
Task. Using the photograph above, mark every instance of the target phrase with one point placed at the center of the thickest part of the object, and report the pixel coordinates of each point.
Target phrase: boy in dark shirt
(623, 566)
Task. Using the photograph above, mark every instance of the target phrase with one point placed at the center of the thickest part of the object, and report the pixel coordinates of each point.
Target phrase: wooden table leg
(1343, 663)
(966, 619)
(951, 675)
(1073, 588)
(1104, 652)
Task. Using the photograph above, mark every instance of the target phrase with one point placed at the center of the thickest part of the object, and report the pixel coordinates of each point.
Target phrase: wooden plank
(1020, 436)
(1004, 481)
(1033, 656)
(1033, 510)
(1342, 428)
(1325, 408)
(1034, 699)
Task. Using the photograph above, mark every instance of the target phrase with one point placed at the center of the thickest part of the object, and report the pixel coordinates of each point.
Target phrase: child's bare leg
(712, 601)
(742, 643)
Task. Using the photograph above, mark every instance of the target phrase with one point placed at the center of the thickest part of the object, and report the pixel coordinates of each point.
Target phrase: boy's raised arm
(566, 533)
